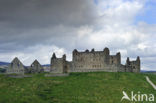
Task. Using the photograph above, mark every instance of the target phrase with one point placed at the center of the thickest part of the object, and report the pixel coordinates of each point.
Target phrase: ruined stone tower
(134, 65)
(58, 65)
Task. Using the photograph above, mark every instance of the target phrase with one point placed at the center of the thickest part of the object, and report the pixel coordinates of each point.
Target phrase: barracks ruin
(87, 61)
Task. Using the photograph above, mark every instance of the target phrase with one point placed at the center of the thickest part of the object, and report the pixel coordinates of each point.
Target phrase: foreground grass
(99, 87)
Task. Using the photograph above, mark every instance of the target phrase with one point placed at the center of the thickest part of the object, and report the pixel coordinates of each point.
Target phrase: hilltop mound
(97, 87)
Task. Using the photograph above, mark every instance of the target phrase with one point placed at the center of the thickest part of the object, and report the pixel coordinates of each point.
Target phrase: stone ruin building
(59, 65)
(90, 61)
(36, 67)
(15, 67)
(133, 64)
(87, 61)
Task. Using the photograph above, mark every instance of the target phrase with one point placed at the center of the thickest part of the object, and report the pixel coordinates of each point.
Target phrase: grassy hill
(99, 87)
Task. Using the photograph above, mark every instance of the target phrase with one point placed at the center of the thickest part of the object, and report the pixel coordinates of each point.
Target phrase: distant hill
(46, 65)
(4, 63)
(149, 71)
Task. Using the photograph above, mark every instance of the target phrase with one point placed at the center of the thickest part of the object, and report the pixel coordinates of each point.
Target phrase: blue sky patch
(149, 15)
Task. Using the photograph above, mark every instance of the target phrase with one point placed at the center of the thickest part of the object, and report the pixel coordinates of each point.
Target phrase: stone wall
(36, 67)
(110, 68)
(58, 65)
(134, 65)
(90, 61)
(94, 60)
(15, 67)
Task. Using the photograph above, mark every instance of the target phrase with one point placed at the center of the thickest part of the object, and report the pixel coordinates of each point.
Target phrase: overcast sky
(34, 29)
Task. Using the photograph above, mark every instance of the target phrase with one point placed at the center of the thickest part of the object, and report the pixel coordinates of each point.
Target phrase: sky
(34, 29)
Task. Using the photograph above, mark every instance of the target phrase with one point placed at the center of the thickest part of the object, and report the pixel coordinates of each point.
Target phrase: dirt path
(150, 82)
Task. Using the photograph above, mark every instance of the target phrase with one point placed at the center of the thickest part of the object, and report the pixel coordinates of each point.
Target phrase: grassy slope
(77, 88)
(152, 77)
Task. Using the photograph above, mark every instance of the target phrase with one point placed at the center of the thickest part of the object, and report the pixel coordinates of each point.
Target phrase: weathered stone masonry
(87, 61)
(36, 67)
(90, 61)
(15, 67)
(59, 64)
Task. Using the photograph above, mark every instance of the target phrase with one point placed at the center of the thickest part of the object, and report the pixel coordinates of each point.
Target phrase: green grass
(152, 77)
(99, 87)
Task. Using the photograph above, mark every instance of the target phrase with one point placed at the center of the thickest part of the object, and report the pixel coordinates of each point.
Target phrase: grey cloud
(31, 22)
(70, 24)
(41, 13)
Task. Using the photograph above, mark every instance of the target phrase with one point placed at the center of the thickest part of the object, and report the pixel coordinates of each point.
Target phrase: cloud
(114, 26)
(116, 29)
(39, 13)
(34, 29)
(42, 53)
(38, 21)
